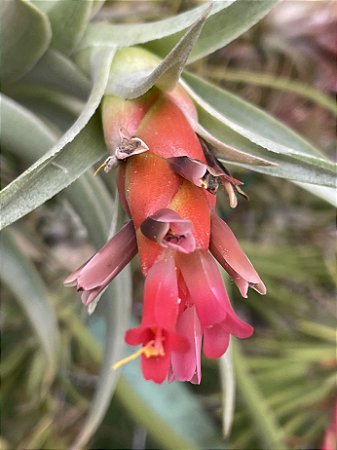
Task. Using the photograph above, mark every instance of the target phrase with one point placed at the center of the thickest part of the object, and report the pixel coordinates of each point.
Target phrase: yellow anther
(149, 350)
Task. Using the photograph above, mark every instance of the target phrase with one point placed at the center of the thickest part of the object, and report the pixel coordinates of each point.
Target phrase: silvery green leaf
(266, 162)
(222, 110)
(326, 193)
(226, 148)
(268, 429)
(228, 390)
(115, 307)
(132, 82)
(80, 147)
(55, 71)
(126, 35)
(41, 182)
(25, 35)
(22, 278)
(186, 426)
(68, 20)
(221, 28)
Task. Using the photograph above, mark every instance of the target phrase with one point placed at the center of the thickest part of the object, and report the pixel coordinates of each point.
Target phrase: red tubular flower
(167, 181)
(157, 330)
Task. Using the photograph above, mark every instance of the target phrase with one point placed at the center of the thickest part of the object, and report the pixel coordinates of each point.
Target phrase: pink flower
(167, 183)
(94, 276)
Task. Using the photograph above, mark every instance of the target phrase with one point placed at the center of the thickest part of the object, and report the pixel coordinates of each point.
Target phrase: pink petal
(216, 337)
(216, 341)
(205, 286)
(161, 300)
(138, 335)
(187, 366)
(156, 368)
(226, 249)
(234, 325)
(97, 273)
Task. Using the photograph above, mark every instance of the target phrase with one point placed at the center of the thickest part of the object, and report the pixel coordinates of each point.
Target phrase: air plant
(100, 111)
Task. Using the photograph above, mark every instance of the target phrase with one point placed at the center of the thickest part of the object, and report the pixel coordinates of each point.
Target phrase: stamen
(233, 201)
(100, 168)
(152, 348)
(134, 355)
(108, 164)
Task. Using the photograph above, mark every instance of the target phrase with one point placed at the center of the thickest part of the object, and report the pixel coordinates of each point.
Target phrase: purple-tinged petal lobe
(170, 230)
(194, 171)
(226, 249)
(94, 276)
(187, 366)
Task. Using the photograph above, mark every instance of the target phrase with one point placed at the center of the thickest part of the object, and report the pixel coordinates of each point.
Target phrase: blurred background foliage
(285, 374)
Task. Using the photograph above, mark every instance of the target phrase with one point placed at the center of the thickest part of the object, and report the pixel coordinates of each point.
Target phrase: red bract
(167, 184)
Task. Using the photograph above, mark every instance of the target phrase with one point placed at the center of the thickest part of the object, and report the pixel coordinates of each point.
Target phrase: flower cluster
(167, 183)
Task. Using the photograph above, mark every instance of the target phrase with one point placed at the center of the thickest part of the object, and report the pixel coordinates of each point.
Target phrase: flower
(167, 182)
(94, 276)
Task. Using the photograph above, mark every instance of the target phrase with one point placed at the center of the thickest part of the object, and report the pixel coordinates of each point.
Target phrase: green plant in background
(55, 73)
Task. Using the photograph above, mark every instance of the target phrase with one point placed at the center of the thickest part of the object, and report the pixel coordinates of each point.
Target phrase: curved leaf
(279, 165)
(25, 193)
(248, 120)
(24, 281)
(267, 428)
(115, 306)
(80, 147)
(326, 193)
(24, 34)
(68, 21)
(88, 192)
(16, 133)
(58, 109)
(56, 71)
(221, 28)
(128, 82)
(228, 390)
(281, 83)
(259, 128)
(116, 310)
(126, 35)
(226, 144)
(170, 413)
